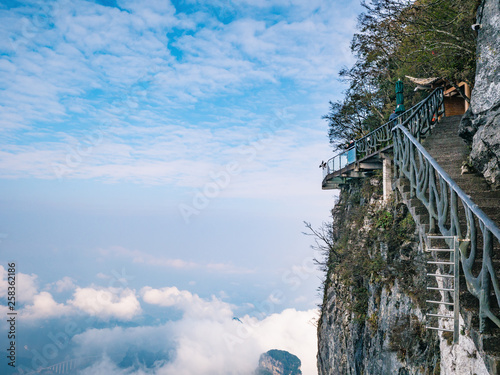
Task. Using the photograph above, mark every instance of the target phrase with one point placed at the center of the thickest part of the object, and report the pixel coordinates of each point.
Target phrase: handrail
(367, 144)
(461, 194)
(339, 161)
(366, 139)
(441, 196)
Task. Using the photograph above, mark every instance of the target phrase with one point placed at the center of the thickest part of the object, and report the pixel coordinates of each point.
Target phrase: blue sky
(157, 161)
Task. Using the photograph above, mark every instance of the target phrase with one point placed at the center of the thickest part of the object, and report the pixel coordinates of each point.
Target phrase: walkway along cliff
(413, 268)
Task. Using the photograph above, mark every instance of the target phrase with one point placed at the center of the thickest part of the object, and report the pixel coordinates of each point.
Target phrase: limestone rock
(481, 126)
(486, 93)
(385, 335)
(278, 362)
(485, 154)
(468, 127)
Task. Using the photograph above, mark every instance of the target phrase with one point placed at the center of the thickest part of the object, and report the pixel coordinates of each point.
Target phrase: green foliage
(448, 336)
(423, 38)
(360, 303)
(406, 226)
(384, 220)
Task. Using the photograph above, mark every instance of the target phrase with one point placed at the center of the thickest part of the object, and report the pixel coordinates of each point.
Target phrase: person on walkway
(393, 116)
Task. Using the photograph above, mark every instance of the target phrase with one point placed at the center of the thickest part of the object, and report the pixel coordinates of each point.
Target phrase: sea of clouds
(104, 324)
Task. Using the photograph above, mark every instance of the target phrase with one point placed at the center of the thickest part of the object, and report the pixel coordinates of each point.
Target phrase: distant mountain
(278, 362)
(137, 358)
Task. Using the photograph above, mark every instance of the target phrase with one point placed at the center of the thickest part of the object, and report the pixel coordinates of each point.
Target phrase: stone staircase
(450, 151)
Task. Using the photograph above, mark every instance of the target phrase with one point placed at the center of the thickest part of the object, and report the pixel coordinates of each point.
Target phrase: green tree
(422, 38)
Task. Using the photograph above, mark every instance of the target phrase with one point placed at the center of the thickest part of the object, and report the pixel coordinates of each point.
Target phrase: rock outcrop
(278, 362)
(481, 125)
(486, 92)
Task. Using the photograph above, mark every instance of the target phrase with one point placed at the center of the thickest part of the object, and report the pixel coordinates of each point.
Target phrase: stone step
(440, 153)
(445, 128)
(450, 118)
(421, 218)
(439, 149)
(421, 211)
(437, 138)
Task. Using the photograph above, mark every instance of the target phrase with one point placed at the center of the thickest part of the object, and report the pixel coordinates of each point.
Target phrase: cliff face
(481, 125)
(371, 319)
(374, 295)
(391, 341)
(486, 93)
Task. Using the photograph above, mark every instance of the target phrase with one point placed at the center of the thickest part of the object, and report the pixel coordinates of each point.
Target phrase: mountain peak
(278, 362)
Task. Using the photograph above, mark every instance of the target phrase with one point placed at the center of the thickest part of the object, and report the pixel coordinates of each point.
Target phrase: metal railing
(339, 161)
(450, 210)
(70, 366)
(367, 145)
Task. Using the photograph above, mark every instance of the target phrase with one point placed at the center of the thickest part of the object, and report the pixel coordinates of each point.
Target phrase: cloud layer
(206, 339)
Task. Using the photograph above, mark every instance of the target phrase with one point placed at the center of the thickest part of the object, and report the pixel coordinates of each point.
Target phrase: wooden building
(454, 103)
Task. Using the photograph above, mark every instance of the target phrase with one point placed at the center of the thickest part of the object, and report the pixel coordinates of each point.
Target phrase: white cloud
(65, 284)
(30, 304)
(210, 347)
(3, 282)
(108, 367)
(192, 305)
(294, 331)
(99, 64)
(107, 303)
(206, 340)
(44, 307)
(26, 287)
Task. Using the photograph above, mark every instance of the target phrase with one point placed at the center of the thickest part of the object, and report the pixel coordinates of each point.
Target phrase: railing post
(432, 202)
(386, 176)
(484, 300)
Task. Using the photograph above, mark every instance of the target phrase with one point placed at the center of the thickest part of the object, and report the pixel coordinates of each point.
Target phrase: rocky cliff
(371, 313)
(374, 295)
(481, 125)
